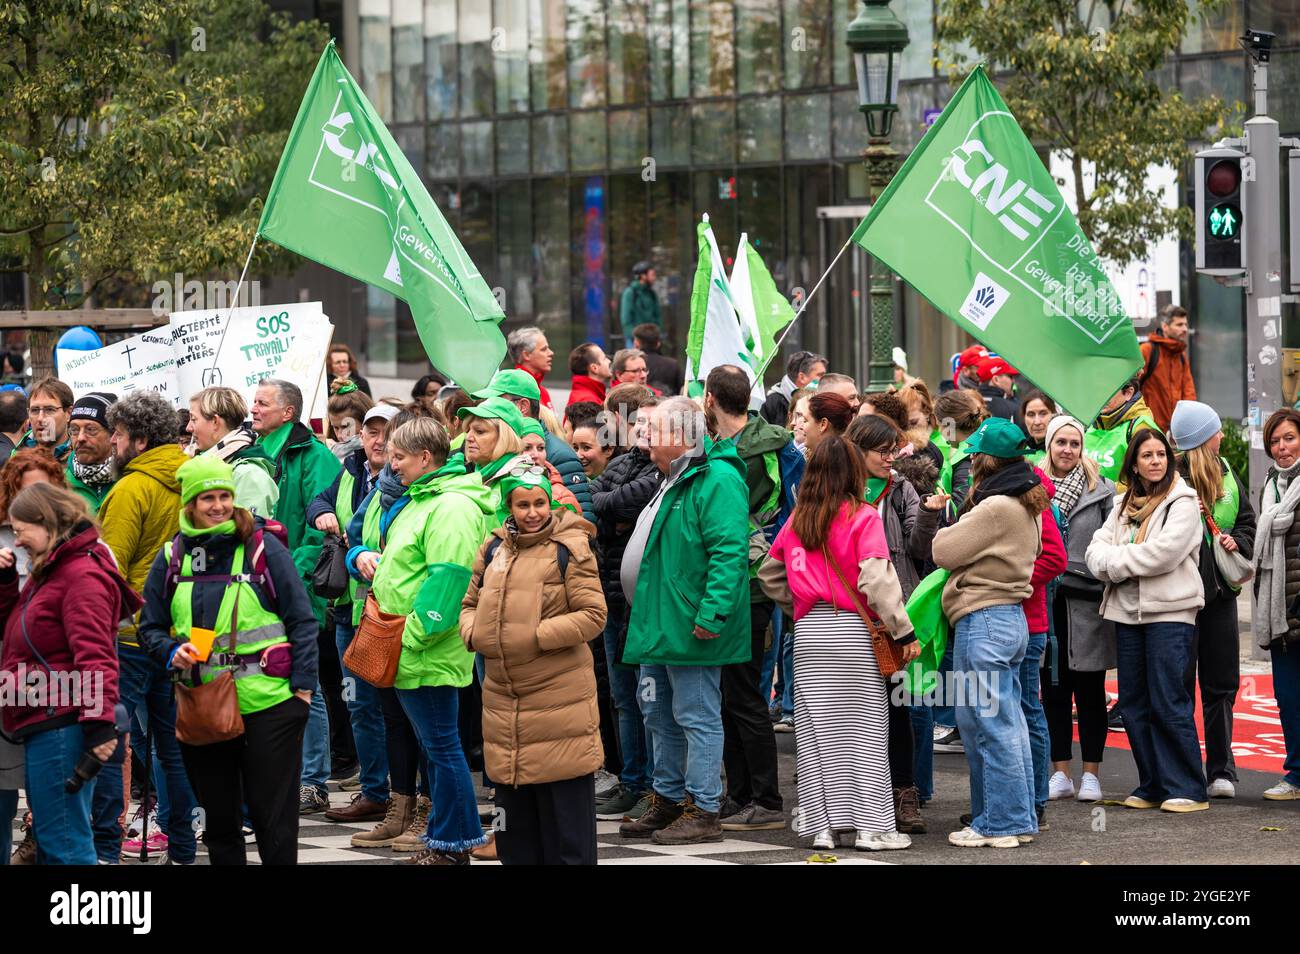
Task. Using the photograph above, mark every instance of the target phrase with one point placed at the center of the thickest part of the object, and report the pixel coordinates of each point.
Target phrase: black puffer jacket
(618, 496)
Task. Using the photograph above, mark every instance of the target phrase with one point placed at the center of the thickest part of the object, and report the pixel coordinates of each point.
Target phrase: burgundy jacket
(70, 610)
(1050, 564)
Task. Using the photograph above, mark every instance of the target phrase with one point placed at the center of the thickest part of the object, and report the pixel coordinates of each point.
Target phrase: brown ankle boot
(413, 838)
(907, 811)
(693, 827)
(396, 820)
(660, 814)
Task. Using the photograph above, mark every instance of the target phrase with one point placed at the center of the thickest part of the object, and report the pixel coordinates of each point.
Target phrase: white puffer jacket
(1157, 580)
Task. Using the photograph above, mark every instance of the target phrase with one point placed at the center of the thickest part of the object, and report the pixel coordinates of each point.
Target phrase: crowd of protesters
(610, 609)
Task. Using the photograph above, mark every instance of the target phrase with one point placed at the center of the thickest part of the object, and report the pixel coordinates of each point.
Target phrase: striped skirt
(841, 722)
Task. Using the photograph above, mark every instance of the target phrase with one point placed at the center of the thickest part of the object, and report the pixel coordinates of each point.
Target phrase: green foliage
(138, 137)
(1081, 79)
(1235, 449)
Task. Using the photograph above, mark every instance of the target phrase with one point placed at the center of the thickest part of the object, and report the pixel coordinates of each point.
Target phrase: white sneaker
(881, 841)
(969, 838)
(1183, 805)
(1089, 788)
(605, 782)
(1283, 791)
(1060, 786)
(825, 841)
(1222, 788)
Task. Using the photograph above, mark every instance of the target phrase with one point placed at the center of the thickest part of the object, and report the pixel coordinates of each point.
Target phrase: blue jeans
(106, 805)
(143, 682)
(990, 646)
(923, 760)
(1158, 711)
(779, 658)
(316, 744)
(1035, 716)
(8, 812)
(61, 821)
(633, 740)
(683, 713)
(453, 820)
(367, 717)
(1286, 689)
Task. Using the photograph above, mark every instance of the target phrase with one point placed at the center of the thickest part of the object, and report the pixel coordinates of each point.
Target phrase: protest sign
(144, 362)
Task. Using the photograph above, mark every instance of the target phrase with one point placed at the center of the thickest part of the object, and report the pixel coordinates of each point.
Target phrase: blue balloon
(80, 338)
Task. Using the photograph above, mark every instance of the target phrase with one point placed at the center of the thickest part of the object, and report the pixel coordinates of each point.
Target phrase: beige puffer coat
(540, 718)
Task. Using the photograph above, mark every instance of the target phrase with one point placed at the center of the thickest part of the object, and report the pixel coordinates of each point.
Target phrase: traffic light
(1220, 239)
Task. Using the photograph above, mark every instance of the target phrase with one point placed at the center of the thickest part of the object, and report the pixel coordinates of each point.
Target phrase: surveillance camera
(1258, 43)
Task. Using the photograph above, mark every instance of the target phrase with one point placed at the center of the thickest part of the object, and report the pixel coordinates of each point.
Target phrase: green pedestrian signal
(1225, 221)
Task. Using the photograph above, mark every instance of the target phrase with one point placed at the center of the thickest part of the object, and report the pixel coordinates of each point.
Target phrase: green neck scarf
(274, 442)
(489, 471)
(190, 530)
(876, 487)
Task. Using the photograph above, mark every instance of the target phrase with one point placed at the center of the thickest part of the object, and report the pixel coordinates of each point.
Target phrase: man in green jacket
(639, 304)
(685, 573)
(90, 470)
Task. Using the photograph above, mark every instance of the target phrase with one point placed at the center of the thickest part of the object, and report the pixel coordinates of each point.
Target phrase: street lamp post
(877, 39)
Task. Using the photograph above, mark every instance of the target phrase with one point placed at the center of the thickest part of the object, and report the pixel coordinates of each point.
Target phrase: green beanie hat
(204, 473)
(531, 477)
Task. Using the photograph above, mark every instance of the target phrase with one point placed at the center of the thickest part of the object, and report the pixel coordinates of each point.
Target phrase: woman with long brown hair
(829, 564)
(829, 414)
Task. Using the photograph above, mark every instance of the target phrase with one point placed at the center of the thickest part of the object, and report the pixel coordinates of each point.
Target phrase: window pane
(759, 129)
(627, 138)
(808, 45)
(444, 151)
(713, 133)
(1284, 92)
(629, 240)
(808, 126)
(550, 144)
(546, 54)
(512, 147)
(377, 56)
(1219, 31)
(476, 147)
(759, 194)
(590, 264)
(510, 54)
(410, 139)
(587, 141)
(408, 61)
(475, 35)
(714, 191)
(1277, 16)
(380, 337)
(758, 45)
(476, 228)
(1228, 79)
(441, 76)
(848, 125)
(585, 35)
(670, 135)
(514, 245)
(673, 253)
(551, 258)
(713, 63)
(670, 49)
(629, 51)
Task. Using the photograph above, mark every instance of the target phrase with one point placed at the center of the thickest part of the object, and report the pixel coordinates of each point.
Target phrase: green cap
(515, 382)
(534, 427)
(998, 437)
(204, 473)
(530, 477)
(498, 408)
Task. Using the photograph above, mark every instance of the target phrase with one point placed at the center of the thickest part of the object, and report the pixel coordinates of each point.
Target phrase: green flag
(346, 196)
(763, 310)
(976, 224)
(716, 336)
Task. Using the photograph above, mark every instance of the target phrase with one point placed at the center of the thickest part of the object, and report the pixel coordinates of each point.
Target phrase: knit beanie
(93, 407)
(1060, 421)
(203, 473)
(1192, 424)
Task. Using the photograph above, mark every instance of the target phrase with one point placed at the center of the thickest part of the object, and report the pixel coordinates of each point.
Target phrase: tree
(139, 137)
(1080, 78)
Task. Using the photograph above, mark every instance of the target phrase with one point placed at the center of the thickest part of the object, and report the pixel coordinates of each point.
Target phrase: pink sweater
(854, 537)
(1049, 565)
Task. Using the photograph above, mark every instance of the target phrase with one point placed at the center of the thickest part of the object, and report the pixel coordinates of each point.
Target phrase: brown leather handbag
(209, 712)
(889, 655)
(377, 646)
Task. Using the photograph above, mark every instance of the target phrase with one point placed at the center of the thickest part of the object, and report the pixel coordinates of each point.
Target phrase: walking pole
(144, 797)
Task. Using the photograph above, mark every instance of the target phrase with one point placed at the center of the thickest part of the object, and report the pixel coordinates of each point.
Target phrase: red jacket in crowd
(68, 614)
(587, 388)
(1050, 564)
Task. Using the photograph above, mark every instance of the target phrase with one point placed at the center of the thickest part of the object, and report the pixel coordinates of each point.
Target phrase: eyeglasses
(43, 411)
(887, 453)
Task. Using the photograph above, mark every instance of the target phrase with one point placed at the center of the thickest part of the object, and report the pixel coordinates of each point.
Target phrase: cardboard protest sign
(145, 362)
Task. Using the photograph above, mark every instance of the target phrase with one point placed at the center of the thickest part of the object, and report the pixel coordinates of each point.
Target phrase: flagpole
(777, 345)
(234, 301)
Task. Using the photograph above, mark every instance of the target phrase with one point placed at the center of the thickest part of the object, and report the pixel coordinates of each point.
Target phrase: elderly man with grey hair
(685, 573)
(530, 351)
(304, 467)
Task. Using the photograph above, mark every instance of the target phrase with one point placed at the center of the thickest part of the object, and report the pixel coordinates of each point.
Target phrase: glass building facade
(566, 140)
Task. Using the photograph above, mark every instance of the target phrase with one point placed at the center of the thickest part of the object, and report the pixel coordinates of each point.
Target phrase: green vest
(1228, 506)
(937, 439)
(1108, 447)
(343, 510)
(955, 457)
(258, 629)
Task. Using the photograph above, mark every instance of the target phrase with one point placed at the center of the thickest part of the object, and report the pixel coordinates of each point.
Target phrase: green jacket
(304, 467)
(695, 569)
(86, 492)
(255, 486)
(638, 306)
(424, 570)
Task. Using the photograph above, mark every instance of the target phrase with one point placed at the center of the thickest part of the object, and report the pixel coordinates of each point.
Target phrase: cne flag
(716, 336)
(975, 223)
(345, 195)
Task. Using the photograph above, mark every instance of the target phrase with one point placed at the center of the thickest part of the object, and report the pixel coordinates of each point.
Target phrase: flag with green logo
(716, 335)
(346, 196)
(763, 310)
(976, 224)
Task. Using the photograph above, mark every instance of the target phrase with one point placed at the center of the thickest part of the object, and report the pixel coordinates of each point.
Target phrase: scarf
(93, 475)
(230, 445)
(390, 487)
(1276, 516)
(877, 490)
(188, 528)
(1010, 481)
(1070, 488)
(1141, 506)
